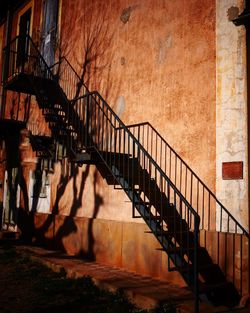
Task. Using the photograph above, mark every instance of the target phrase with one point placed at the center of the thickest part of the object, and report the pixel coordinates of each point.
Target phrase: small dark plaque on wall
(232, 170)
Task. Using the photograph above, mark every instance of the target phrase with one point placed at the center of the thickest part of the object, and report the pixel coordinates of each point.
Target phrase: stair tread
(204, 287)
(201, 267)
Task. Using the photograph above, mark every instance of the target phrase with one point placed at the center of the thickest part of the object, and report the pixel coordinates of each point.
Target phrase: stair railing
(230, 248)
(213, 214)
(25, 58)
(130, 164)
(68, 79)
(104, 131)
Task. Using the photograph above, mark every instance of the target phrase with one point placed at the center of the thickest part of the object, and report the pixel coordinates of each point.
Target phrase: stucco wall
(118, 244)
(153, 62)
(177, 64)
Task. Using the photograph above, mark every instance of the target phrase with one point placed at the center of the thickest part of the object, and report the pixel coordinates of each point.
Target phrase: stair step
(146, 203)
(82, 157)
(223, 293)
(54, 118)
(168, 233)
(152, 218)
(201, 267)
(116, 155)
(177, 250)
(174, 250)
(127, 189)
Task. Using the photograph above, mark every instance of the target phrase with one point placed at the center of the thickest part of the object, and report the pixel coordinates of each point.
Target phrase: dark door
(23, 42)
(49, 30)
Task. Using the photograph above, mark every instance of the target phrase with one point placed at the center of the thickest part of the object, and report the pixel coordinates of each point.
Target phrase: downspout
(244, 19)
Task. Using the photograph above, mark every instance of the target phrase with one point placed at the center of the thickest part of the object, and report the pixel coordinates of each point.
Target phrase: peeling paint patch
(119, 105)
(125, 16)
(123, 61)
(232, 13)
(126, 13)
(164, 45)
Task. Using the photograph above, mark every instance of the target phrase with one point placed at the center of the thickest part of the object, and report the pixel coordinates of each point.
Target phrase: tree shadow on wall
(55, 230)
(15, 178)
(92, 52)
(98, 201)
(94, 65)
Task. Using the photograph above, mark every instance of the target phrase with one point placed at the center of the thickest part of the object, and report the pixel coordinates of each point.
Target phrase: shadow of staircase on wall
(89, 132)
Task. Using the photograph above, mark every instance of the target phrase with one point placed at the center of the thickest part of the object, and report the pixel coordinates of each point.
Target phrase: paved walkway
(143, 291)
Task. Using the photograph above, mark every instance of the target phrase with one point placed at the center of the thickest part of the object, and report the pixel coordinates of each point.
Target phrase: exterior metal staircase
(174, 203)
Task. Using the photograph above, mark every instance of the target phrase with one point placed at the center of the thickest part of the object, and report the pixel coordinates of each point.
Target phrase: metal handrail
(110, 115)
(125, 128)
(137, 125)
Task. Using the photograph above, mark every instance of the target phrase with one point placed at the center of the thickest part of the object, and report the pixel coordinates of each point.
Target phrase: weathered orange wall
(118, 244)
(153, 61)
(162, 61)
(159, 57)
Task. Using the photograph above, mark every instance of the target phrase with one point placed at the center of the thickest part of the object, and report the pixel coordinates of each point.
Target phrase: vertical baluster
(175, 170)
(147, 138)
(95, 125)
(155, 191)
(107, 134)
(220, 218)
(209, 209)
(180, 175)
(225, 260)
(162, 213)
(111, 136)
(174, 218)
(103, 127)
(248, 242)
(99, 126)
(203, 205)
(197, 197)
(161, 154)
(170, 163)
(241, 262)
(133, 179)
(191, 189)
(233, 258)
(196, 287)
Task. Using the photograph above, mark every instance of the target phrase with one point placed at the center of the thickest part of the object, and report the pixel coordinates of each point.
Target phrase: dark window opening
(23, 42)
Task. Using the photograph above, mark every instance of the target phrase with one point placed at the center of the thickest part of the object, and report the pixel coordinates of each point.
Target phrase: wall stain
(163, 46)
(233, 13)
(123, 61)
(120, 105)
(126, 13)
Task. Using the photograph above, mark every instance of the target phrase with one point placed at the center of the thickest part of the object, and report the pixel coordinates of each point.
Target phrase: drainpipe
(244, 19)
